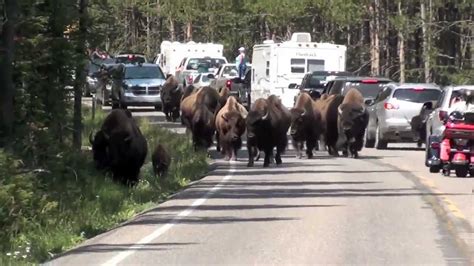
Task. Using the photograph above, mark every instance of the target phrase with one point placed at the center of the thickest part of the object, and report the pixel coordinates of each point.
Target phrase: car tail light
(443, 115)
(228, 83)
(190, 79)
(390, 106)
(371, 81)
(419, 89)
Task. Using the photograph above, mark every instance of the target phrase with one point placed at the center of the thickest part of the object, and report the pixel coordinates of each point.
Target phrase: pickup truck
(240, 88)
(190, 67)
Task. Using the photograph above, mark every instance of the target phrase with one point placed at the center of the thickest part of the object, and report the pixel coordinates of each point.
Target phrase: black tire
(435, 169)
(369, 143)
(461, 171)
(380, 143)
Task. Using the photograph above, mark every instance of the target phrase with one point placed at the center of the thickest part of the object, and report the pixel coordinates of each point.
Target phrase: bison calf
(161, 160)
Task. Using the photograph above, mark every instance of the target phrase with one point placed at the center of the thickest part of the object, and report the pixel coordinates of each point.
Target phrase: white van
(172, 53)
(278, 67)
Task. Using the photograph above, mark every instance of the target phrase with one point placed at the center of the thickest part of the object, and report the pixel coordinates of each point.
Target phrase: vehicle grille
(140, 90)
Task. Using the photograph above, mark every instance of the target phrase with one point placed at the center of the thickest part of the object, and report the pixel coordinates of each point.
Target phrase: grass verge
(44, 212)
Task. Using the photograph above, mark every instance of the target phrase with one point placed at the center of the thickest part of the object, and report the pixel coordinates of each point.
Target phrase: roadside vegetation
(64, 200)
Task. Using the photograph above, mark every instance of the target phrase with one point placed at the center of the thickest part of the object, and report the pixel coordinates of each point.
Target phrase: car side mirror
(292, 86)
(211, 76)
(369, 102)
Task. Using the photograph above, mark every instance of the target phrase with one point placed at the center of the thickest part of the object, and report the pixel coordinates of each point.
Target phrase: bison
(171, 94)
(267, 124)
(161, 160)
(418, 122)
(352, 122)
(119, 146)
(202, 120)
(328, 106)
(230, 126)
(305, 125)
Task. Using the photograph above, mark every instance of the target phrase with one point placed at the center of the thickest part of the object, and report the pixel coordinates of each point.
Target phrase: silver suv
(392, 110)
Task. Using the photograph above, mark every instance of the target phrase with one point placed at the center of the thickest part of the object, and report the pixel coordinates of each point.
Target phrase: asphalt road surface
(384, 208)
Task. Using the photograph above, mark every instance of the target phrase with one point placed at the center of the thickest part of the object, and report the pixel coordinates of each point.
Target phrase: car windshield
(195, 63)
(230, 71)
(315, 81)
(143, 72)
(417, 95)
(369, 89)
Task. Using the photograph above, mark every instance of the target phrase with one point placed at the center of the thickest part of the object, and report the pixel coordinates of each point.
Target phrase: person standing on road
(117, 78)
(241, 62)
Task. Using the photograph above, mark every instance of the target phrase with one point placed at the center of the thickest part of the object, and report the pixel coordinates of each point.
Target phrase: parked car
(435, 124)
(141, 86)
(203, 79)
(368, 86)
(130, 58)
(392, 110)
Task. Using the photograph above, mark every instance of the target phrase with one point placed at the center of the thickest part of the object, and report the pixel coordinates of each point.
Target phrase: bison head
(234, 126)
(352, 120)
(255, 122)
(100, 149)
(298, 122)
(202, 126)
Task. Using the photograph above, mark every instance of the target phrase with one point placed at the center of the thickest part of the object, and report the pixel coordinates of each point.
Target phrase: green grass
(42, 214)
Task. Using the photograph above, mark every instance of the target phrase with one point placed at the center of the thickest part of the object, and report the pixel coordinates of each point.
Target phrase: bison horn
(105, 135)
(176, 89)
(127, 139)
(91, 139)
(265, 117)
(304, 113)
(339, 110)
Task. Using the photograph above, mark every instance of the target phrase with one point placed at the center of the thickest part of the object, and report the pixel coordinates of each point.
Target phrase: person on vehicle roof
(241, 62)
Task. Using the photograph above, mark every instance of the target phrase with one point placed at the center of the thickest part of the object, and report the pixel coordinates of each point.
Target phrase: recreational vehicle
(278, 67)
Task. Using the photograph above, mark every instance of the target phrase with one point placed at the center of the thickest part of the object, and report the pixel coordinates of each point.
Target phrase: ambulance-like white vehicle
(172, 53)
(279, 67)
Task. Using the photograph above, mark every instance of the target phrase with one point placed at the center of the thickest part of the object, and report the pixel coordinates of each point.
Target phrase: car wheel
(380, 143)
(369, 143)
(435, 169)
(461, 171)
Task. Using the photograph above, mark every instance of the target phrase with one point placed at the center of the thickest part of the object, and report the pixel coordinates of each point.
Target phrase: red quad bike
(456, 149)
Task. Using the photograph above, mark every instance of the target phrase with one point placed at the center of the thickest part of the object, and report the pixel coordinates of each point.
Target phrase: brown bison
(171, 94)
(161, 160)
(230, 126)
(202, 122)
(267, 124)
(352, 122)
(305, 125)
(328, 107)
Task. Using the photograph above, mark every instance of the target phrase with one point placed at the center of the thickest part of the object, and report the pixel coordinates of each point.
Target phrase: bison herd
(338, 122)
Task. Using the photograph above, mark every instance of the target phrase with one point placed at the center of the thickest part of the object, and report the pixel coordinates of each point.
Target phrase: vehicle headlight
(461, 142)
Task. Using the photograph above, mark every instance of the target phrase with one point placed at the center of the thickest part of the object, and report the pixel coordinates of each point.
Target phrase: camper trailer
(172, 53)
(278, 67)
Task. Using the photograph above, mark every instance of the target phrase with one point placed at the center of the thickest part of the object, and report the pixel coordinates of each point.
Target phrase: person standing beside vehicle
(117, 79)
(241, 62)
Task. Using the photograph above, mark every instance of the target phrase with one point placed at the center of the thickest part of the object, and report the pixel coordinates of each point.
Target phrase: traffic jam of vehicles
(297, 91)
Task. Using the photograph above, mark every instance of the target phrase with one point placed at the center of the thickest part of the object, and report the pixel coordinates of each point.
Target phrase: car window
(336, 87)
(383, 94)
(143, 72)
(315, 81)
(196, 80)
(130, 59)
(194, 63)
(416, 95)
(441, 99)
(369, 89)
(230, 71)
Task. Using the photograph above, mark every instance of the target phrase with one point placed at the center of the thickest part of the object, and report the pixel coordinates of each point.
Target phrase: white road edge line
(162, 229)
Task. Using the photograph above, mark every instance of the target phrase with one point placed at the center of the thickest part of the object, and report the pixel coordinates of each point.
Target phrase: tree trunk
(401, 47)
(426, 56)
(7, 88)
(172, 30)
(80, 75)
(148, 30)
(374, 39)
(189, 31)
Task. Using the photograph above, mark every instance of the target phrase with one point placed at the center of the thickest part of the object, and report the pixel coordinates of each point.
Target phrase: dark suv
(317, 80)
(368, 86)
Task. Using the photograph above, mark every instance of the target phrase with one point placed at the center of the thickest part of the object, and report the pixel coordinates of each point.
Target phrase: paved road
(381, 209)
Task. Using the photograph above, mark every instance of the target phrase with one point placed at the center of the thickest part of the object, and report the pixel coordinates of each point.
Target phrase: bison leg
(310, 145)
(298, 147)
(218, 144)
(251, 155)
(268, 154)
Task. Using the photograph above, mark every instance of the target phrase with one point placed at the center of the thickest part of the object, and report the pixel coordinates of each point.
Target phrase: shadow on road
(104, 248)
(280, 171)
(152, 219)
